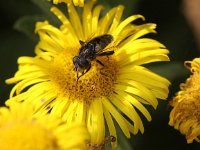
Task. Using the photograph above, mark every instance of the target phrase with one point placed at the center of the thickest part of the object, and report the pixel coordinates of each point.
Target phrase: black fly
(89, 51)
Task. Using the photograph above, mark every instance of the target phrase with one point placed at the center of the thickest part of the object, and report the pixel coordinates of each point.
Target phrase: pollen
(18, 135)
(97, 82)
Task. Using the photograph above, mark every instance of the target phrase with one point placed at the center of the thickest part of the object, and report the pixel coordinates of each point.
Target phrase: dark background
(173, 31)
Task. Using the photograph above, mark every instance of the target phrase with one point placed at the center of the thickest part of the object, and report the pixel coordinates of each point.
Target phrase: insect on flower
(89, 51)
(101, 146)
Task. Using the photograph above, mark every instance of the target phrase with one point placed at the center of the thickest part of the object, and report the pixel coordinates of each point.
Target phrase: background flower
(21, 129)
(185, 115)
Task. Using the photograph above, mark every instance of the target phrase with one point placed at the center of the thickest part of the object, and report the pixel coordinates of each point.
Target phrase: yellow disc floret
(97, 82)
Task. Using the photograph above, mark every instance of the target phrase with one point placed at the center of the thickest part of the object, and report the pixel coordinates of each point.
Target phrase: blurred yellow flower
(20, 129)
(121, 86)
(75, 2)
(185, 116)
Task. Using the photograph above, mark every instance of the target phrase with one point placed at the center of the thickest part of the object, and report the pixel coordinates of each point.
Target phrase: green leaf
(45, 6)
(130, 6)
(170, 70)
(26, 25)
(123, 143)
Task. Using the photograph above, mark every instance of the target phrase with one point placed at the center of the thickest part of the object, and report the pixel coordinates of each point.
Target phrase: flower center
(97, 82)
(26, 136)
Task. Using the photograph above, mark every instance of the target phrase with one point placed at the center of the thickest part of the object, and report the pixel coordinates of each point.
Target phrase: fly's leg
(83, 72)
(98, 61)
(108, 53)
(89, 66)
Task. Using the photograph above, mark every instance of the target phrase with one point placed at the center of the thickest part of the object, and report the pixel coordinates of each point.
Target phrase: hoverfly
(89, 51)
(101, 146)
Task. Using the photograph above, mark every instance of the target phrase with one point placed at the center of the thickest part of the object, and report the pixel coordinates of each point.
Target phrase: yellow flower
(20, 129)
(185, 116)
(75, 2)
(119, 86)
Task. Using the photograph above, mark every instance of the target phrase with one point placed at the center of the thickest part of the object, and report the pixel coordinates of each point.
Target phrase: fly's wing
(96, 45)
(101, 42)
